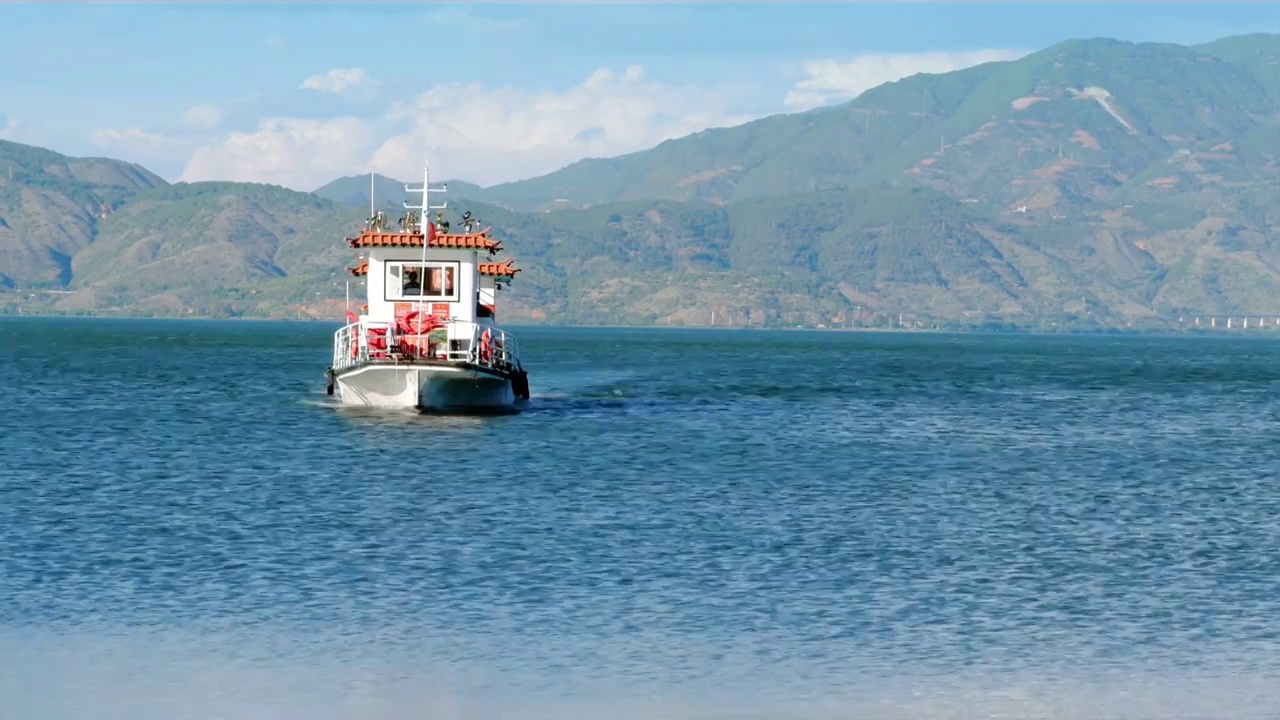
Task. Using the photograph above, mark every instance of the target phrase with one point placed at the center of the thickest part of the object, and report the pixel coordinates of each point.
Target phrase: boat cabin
(416, 291)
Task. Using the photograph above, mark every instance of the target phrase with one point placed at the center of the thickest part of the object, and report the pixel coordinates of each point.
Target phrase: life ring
(486, 347)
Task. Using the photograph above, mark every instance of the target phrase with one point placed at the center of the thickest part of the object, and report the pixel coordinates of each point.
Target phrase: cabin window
(413, 280)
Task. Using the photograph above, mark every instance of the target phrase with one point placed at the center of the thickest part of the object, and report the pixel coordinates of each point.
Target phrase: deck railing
(368, 341)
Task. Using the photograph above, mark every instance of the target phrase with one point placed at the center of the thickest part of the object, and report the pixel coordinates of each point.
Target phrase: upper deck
(420, 272)
(495, 270)
(419, 266)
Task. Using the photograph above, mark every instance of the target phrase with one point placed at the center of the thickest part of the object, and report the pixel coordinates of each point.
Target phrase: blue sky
(504, 90)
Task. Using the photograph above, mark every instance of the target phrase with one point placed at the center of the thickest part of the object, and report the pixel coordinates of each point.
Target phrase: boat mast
(423, 227)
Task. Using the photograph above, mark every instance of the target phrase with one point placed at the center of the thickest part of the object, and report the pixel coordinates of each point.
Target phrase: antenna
(426, 194)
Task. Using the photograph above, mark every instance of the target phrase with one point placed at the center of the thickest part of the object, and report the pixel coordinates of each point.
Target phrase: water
(683, 524)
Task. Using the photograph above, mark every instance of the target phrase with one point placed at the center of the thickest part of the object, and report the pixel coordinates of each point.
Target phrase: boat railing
(351, 343)
(483, 345)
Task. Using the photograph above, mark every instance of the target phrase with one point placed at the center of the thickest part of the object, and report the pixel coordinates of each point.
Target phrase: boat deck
(454, 344)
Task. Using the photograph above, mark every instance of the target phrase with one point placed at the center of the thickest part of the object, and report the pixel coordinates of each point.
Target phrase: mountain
(1259, 54)
(1093, 114)
(51, 206)
(220, 248)
(1093, 184)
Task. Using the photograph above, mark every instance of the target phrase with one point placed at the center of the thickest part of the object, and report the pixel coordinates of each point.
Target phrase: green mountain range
(1094, 184)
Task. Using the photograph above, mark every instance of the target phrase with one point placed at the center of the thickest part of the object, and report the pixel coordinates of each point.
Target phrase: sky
(299, 94)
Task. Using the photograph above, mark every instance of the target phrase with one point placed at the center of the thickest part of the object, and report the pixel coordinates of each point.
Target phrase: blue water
(683, 524)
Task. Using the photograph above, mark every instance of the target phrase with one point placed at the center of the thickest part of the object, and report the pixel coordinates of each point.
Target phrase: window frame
(390, 281)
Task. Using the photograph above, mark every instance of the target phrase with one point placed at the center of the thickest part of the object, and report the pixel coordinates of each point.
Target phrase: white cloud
(494, 135)
(158, 152)
(161, 153)
(457, 15)
(9, 127)
(339, 81)
(203, 117)
(485, 135)
(295, 153)
(132, 137)
(832, 81)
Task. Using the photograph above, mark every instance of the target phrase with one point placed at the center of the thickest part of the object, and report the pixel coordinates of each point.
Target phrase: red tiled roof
(469, 241)
(506, 269)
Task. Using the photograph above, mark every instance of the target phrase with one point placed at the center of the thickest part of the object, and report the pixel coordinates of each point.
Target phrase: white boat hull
(424, 387)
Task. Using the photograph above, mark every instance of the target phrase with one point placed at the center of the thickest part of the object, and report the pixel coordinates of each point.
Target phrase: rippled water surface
(681, 524)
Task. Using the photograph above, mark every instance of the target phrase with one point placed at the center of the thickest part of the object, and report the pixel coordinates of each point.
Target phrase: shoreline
(1255, 333)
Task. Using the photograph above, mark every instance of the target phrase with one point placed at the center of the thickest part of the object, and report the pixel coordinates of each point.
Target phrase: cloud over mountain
(484, 134)
(829, 81)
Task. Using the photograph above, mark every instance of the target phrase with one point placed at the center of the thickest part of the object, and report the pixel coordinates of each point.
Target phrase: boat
(427, 336)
